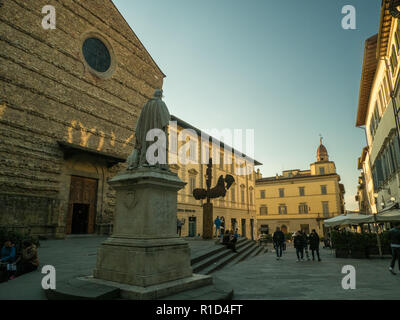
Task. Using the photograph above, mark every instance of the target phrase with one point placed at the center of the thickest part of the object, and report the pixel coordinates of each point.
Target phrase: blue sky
(286, 69)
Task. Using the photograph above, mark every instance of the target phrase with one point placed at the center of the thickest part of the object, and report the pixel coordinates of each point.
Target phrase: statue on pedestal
(145, 250)
(154, 116)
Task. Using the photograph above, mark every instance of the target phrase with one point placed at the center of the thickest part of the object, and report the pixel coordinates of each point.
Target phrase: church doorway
(80, 218)
(82, 205)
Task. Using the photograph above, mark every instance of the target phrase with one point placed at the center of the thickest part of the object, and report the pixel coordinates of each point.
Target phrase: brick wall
(48, 94)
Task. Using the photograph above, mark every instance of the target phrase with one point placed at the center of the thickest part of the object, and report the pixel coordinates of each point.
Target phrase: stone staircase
(221, 257)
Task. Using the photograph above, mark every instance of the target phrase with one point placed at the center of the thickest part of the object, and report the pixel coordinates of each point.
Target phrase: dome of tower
(322, 153)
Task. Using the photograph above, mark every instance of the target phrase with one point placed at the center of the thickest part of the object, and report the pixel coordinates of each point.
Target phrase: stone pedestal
(145, 249)
(208, 223)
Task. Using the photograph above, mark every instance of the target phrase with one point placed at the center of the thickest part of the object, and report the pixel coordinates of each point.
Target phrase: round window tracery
(96, 54)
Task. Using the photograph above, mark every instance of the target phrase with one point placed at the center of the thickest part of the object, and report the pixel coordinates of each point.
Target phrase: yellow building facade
(379, 100)
(237, 207)
(300, 199)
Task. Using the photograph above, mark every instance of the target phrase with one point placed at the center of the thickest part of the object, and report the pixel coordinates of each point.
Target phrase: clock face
(96, 54)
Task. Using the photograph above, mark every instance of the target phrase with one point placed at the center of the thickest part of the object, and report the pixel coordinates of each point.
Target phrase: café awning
(388, 216)
(349, 219)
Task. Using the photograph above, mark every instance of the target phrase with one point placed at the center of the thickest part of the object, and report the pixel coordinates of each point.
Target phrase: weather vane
(219, 190)
(393, 8)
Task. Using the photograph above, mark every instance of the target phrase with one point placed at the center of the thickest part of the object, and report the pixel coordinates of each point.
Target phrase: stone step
(259, 250)
(75, 289)
(215, 256)
(89, 288)
(217, 249)
(247, 254)
(243, 256)
(219, 290)
(226, 259)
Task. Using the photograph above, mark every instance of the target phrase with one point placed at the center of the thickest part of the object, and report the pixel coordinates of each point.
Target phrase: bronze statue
(218, 191)
(154, 115)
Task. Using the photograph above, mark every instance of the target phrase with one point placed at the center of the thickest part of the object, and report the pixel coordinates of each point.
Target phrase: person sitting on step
(8, 260)
(225, 238)
(233, 237)
(29, 258)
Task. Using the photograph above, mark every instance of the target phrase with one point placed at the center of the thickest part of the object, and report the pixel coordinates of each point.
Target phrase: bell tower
(322, 153)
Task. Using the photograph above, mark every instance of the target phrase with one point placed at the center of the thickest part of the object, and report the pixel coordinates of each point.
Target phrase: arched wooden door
(82, 205)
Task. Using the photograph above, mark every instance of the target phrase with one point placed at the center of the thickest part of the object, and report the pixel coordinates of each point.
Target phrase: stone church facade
(69, 101)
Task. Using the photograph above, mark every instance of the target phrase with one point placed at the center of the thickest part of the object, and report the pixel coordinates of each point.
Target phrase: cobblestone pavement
(259, 278)
(73, 257)
(266, 278)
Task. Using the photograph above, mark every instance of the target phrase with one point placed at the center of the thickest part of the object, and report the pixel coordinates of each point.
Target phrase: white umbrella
(389, 216)
(348, 220)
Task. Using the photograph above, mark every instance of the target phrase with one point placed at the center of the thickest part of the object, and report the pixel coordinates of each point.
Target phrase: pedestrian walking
(327, 241)
(298, 242)
(305, 241)
(314, 244)
(278, 240)
(179, 226)
(394, 237)
(217, 223)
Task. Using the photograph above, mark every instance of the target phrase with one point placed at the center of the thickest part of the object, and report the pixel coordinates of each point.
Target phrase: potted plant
(372, 244)
(340, 243)
(386, 249)
(358, 246)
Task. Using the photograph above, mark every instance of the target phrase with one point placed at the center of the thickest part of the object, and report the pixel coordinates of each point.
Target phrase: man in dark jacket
(298, 242)
(305, 243)
(394, 237)
(314, 244)
(278, 239)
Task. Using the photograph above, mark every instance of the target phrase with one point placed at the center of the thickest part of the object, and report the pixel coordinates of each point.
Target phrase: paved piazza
(265, 278)
(261, 277)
